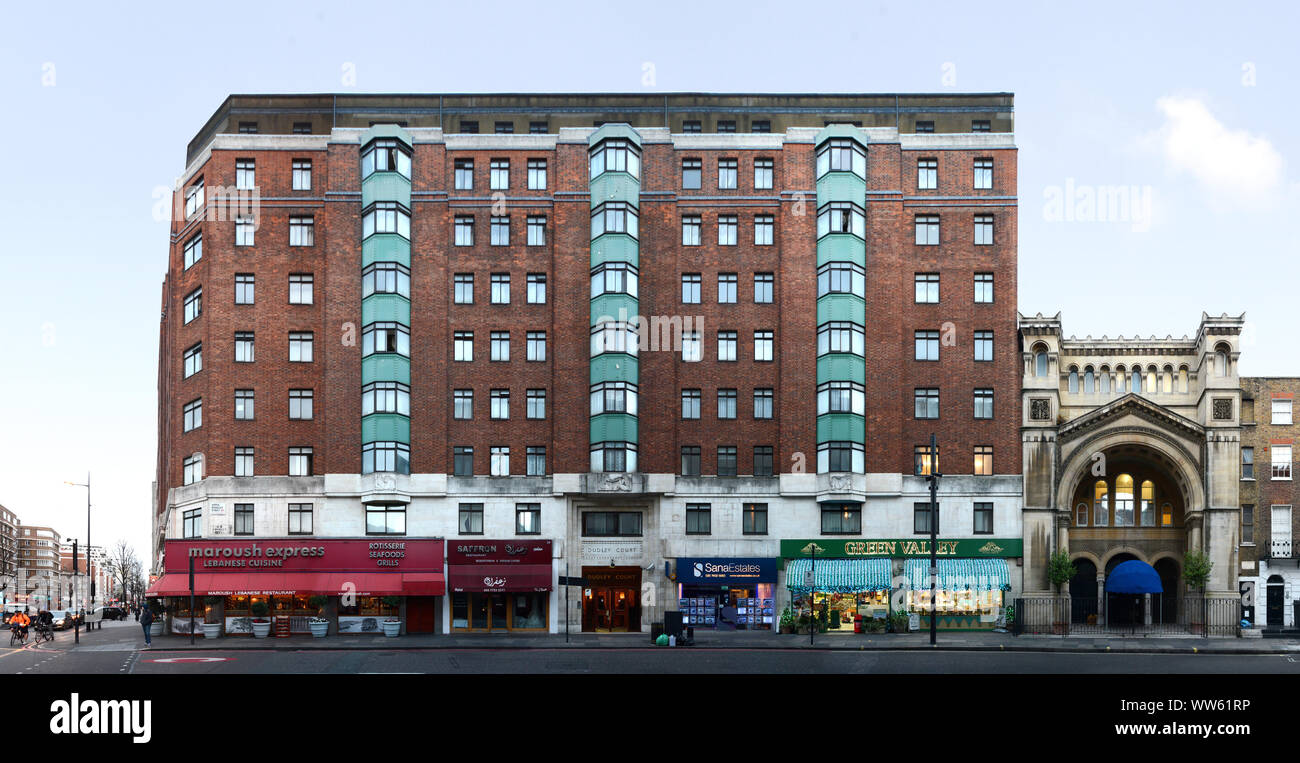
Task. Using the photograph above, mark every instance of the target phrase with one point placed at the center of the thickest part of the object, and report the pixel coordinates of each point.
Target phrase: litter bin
(656, 630)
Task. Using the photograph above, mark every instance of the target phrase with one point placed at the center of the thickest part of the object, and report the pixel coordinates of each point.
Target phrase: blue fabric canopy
(839, 575)
(1134, 576)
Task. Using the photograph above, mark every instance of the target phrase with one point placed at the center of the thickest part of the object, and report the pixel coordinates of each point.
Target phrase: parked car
(64, 619)
(108, 613)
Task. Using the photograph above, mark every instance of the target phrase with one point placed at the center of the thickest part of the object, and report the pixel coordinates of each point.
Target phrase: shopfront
(611, 599)
(726, 594)
(838, 581)
(355, 583)
(500, 585)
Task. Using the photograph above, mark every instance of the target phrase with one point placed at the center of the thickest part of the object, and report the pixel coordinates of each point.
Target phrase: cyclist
(45, 622)
(19, 623)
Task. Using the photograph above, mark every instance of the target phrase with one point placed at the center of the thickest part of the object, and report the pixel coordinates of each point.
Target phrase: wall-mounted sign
(605, 550)
(720, 572)
(499, 552)
(858, 548)
(305, 555)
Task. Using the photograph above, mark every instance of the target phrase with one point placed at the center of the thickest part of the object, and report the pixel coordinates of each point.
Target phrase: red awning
(286, 583)
(423, 584)
(481, 578)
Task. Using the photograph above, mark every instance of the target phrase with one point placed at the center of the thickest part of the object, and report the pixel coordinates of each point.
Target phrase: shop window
(841, 519)
(367, 606)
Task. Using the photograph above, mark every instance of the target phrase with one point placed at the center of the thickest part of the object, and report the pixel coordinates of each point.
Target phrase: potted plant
(392, 624)
(803, 624)
(787, 621)
(835, 620)
(156, 607)
(261, 623)
(1059, 571)
(211, 628)
(319, 624)
(1196, 573)
(898, 621)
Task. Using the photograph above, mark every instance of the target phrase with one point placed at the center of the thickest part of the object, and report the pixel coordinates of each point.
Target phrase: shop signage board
(865, 548)
(738, 572)
(499, 552)
(305, 555)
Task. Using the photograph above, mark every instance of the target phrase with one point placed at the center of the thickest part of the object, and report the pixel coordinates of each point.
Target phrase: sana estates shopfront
(360, 582)
(852, 578)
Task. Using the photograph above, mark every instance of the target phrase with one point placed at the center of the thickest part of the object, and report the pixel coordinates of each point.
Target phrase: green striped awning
(838, 575)
(960, 574)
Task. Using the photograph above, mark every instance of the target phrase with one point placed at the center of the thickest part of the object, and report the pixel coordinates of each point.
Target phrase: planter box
(156, 629)
(391, 629)
(211, 630)
(261, 629)
(319, 630)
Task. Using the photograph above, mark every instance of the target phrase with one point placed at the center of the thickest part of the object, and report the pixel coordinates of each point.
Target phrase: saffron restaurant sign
(499, 552)
(305, 555)
(481, 566)
(863, 548)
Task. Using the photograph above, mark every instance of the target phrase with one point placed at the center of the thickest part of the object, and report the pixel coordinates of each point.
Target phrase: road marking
(191, 659)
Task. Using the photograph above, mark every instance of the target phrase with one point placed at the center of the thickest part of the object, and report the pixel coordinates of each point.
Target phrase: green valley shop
(856, 578)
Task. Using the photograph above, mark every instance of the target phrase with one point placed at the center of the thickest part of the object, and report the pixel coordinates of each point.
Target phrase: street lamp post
(86, 485)
(933, 478)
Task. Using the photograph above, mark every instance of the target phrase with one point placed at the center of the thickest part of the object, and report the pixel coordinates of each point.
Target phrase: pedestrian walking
(146, 620)
(136, 610)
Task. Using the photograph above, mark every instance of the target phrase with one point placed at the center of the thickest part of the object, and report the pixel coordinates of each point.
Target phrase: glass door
(499, 604)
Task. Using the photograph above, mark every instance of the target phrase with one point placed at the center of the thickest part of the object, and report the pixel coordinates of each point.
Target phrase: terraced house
(674, 346)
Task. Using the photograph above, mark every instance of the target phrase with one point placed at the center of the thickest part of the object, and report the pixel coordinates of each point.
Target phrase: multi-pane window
(244, 462)
(614, 217)
(385, 456)
(499, 174)
(841, 217)
(754, 518)
(692, 126)
(300, 520)
(464, 226)
(500, 399)
(244, 404)
(922, 460)
(462, 404)
(691, 173)
(841, 336)
(763, 402)
(300, 462)
(1281, 412)
(764, 342)
(762, 174)
(385, 155)
(691, 288)
(1248, 463)
(385, 397)
(537, 174)
(385, 519)
(385, 336)
(536, 404)
(541, 127)
(245, 231)
(500, 288)
(763, 230)
(463, 346)
(841, 519)
(927, 288)
(984, 345)
(726, 125)
(386, 217)
(692, 347)
(615, 278)
(302, 174)
(528, 518)
(926, 402)
(841, 278)
(763, 283)
(1247, 523)
(244, 519)
(300, 403)
(841, 397)
(983, 288)
(245, 174)
(690, 460)
(300, 346)
(983, 230)
(301, 288)
(698, 519)
(761, 125)
(536, 286)
(193, 304)
(193, 250)
(727, 461)
(614, 397)
(500, 461)
(924, 125)
(193, 360)
(927, 345)
(536, 345)
(302, 128)
(500, 230)
(388, 278)
(922, 513)
(244, 288)
(500, 345)
(983, 174)
(193, 198)
(984, 403)
(535, 460)
(504, 128)
(763, 460)
(927, 174)
(616, 155)
(192, 520)
(727, 173)
(927, 230)
(302, 231)
(243, 346)
(727, 288)
(726, 345)
(983, 460)
(193, 471)
(462, 457)
(463, 288)
(464, 174)
(611, 523)
(690, 404)
(726, 404)
(192, 415)
(690, 230)
(842, 155)
(1281, 462)
(536, 230)
(980, 125)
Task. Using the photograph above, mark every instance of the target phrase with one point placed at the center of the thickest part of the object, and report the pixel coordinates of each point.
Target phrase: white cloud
(1232, 165)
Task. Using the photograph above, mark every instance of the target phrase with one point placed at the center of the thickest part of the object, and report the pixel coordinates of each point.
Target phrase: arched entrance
(1275, 601)
(1124, 609)
(1083, 593)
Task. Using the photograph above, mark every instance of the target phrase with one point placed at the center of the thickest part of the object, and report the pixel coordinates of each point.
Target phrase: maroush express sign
(306, 555)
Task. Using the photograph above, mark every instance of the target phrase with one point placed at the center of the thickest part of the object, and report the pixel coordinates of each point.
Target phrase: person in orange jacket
(20, 622)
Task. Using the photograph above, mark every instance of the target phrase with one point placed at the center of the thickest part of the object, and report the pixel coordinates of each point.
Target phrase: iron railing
(1128, 615)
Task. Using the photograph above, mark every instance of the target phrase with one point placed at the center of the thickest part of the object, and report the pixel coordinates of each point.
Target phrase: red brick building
(1269, 497)
(849, 263)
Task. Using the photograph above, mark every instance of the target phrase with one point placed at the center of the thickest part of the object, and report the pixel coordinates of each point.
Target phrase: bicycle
(44, 632)
(17, 637)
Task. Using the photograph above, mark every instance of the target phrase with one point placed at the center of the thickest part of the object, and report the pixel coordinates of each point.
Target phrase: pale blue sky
(1195, 109)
